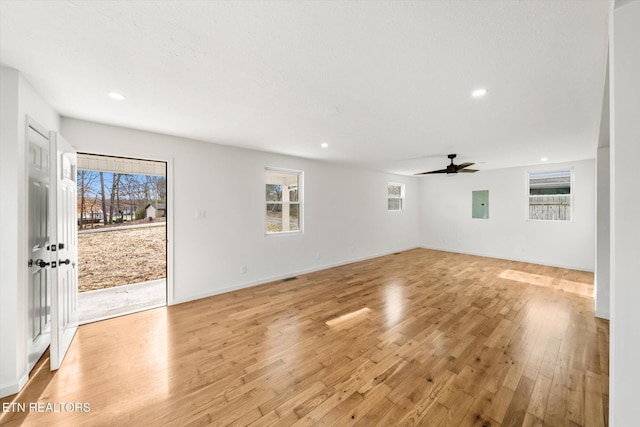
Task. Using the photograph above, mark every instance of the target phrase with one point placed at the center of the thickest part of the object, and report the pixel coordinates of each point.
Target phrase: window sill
(283, 233)
(561, 221)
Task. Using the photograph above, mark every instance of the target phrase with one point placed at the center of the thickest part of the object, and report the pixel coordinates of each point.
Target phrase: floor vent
(288, 279)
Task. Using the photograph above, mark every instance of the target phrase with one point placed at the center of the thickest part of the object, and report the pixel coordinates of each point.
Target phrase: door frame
(170, 211)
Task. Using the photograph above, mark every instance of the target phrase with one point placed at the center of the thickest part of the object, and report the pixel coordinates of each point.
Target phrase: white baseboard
(284, 276)
(13, 388)
(603, 314)
(262, 281)
(530, 261)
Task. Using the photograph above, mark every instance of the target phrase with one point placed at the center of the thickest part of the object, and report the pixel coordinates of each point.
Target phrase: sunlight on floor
(530, 278)
(394, 303)
(584, 289)
(579, 288)
(349, 316)
(147, 357)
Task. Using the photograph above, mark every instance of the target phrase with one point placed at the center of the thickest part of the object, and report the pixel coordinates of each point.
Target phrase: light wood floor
(418, 338)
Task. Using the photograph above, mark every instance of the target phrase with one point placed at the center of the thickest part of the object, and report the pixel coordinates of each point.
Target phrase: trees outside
(158, 186)
(115, 197)
(103, 197)
(86, 181)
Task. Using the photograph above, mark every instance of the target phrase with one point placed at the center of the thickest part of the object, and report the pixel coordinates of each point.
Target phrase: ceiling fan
(453, 168)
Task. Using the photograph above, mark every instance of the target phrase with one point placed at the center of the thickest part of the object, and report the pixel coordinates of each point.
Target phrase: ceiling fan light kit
(453, 168)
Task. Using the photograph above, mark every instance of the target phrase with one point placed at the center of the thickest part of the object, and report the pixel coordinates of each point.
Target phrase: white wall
(625, 220)
(603, 219)
(18, 100)
(446, 223)
(8, 230)
(345, 210)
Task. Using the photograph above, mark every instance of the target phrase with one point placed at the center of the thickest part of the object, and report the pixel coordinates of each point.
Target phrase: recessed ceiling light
(116, 95)
(479, 92)
(324, 145)
(544, 159)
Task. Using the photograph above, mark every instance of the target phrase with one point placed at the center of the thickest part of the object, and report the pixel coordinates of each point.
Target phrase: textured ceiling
(386, 84)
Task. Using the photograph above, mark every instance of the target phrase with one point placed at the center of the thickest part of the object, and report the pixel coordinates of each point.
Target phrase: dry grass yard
(121, 257)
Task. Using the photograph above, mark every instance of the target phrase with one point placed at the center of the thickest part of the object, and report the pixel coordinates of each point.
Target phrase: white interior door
(39, 282)
(64, 259)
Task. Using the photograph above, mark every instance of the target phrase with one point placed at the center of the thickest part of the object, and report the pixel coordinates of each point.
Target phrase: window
(550, 195)
(395, 198)
(283, 201)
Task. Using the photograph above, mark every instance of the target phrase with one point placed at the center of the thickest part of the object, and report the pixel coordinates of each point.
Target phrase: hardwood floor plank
(575, 397)
(517, 410)
(538, 402)
(369, 401)
(419, 338)
(594, 411)
(557, 402)
(477, 415)
(458, 410)
(500, 403)
(329, 401)
(421, 409)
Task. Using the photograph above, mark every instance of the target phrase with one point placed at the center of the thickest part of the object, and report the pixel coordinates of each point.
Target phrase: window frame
(300, 202)
(571, 195)
(402, 197)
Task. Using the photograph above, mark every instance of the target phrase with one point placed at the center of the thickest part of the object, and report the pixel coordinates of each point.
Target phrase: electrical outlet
(243, 269)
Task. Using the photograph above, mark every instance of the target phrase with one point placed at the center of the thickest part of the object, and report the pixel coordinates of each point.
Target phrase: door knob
(66, 261)
(40, 263)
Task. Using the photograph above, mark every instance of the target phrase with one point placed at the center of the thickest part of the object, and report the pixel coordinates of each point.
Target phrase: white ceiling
(386, 84)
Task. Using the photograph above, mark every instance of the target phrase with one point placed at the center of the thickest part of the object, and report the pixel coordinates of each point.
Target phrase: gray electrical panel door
(480, 204)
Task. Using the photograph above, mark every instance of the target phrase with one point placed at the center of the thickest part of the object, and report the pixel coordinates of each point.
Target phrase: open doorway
(122, 236)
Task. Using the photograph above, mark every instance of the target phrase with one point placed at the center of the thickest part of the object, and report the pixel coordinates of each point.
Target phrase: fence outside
(550, 207)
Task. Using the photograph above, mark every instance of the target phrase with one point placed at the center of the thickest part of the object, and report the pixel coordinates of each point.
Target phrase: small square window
(395, 197)
(550, 195)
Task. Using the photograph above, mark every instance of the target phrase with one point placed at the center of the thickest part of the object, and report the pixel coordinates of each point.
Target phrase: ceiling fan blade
(427, 173)
(452, 168)
(464, 165)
